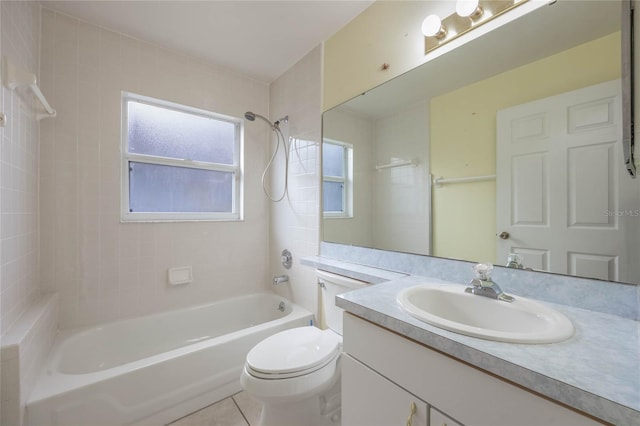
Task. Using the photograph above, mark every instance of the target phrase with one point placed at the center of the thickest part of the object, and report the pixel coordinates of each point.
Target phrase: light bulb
(432, 27)
(470, 8)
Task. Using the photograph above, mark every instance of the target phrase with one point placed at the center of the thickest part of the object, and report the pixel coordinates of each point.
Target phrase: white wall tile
(19, 168)
(294, 223)
(104, 269)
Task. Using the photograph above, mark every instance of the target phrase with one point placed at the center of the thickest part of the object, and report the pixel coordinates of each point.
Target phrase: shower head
(251, 116)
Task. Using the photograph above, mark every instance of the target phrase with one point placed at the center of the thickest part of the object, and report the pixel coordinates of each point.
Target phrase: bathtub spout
(280, 279)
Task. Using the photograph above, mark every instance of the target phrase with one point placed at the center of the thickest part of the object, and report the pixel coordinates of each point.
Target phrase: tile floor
(237, 410)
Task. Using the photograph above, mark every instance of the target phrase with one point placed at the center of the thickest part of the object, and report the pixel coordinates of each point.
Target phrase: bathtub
(154, 369)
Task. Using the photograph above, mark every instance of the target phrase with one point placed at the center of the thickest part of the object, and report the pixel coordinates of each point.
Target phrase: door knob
(504, 235)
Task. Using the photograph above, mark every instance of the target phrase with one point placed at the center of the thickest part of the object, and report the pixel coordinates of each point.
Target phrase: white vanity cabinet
(383, 373)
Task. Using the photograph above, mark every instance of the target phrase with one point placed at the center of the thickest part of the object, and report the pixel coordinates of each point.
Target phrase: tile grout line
(240, 409)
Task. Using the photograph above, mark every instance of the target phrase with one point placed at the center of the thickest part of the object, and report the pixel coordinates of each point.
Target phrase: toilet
(296, 373)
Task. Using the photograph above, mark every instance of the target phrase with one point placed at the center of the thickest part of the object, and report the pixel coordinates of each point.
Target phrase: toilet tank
(332, 285)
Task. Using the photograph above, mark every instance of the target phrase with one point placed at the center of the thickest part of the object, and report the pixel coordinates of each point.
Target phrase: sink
(449, 307)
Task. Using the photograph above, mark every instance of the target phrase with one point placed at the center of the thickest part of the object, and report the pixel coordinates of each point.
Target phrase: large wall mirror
(511, 143)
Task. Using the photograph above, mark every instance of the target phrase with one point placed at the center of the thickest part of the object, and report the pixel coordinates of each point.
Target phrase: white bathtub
(154, 369)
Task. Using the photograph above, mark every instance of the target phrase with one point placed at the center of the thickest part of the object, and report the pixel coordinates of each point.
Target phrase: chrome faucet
(483, 285)
(280, 279)
(514, 260)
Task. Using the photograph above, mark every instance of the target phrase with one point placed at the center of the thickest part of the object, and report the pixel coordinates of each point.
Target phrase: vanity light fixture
(432, 27)
(469, 14)
(469, 8)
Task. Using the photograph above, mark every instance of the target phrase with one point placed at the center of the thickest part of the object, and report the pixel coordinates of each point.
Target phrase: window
(337, 179)
(179, 163)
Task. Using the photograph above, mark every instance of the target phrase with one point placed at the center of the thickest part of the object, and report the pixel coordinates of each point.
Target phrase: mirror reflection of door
(561, 187)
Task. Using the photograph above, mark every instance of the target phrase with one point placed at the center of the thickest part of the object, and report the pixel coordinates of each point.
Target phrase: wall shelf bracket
(15, 77)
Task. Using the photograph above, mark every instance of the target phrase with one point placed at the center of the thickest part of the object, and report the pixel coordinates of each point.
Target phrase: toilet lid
(293, 350)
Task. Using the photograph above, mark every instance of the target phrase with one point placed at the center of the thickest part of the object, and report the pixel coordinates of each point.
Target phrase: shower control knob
(286, 258)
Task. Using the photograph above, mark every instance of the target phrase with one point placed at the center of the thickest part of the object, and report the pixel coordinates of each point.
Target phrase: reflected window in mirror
(337, 179)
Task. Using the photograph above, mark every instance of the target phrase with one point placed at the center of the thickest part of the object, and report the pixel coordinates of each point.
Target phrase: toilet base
(317, 410)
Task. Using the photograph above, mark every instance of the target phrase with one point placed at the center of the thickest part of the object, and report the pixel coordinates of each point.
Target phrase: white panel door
(561, 187)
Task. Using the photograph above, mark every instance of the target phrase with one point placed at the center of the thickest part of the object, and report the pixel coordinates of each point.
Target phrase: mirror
(520, 129)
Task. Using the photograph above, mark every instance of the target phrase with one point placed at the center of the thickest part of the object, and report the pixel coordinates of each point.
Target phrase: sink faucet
(483, 285)
(280, 279)
(514, 260)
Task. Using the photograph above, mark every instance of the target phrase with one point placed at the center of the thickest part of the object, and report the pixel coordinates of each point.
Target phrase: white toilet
(296, 373)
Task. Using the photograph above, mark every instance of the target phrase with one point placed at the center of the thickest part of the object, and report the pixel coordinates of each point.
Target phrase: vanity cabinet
(383, 373)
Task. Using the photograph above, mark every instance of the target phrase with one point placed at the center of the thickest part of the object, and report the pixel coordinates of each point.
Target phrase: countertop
(597, 371)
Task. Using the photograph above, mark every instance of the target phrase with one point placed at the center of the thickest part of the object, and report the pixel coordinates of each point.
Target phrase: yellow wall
(463, 134)
(386, 32)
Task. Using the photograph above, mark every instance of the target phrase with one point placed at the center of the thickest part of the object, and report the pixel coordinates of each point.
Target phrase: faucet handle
(514, 260)
(482, 271)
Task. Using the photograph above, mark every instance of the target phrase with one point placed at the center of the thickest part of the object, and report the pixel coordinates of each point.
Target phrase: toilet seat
(292, 353)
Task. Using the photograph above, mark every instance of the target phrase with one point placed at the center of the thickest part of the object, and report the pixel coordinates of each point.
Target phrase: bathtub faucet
(280, 279)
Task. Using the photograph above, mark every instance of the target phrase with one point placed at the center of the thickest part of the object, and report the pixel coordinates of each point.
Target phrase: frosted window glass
(160, 188)
(332, 198)
(169, 133)
(333, 160)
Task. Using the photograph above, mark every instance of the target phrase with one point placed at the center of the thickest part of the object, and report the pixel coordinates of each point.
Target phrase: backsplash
(608, 297)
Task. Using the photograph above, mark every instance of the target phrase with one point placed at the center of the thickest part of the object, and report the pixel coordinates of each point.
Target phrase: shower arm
(251, 116)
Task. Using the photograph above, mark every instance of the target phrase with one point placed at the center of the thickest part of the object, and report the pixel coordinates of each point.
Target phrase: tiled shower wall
(295, 220)
(101, 268)
(19, 176)
(19, 285)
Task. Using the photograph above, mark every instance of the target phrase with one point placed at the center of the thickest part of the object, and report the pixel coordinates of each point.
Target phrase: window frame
(347, 182)
(126, 157)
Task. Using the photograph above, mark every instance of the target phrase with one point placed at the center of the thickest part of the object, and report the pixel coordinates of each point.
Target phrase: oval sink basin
(520, 321)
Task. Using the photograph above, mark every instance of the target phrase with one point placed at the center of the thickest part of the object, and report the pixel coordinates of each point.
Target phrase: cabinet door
(436, 418)
(369, 399)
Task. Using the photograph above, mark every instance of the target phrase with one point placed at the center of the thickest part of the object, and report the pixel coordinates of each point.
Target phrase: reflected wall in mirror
(390, 180)
(545, 89)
